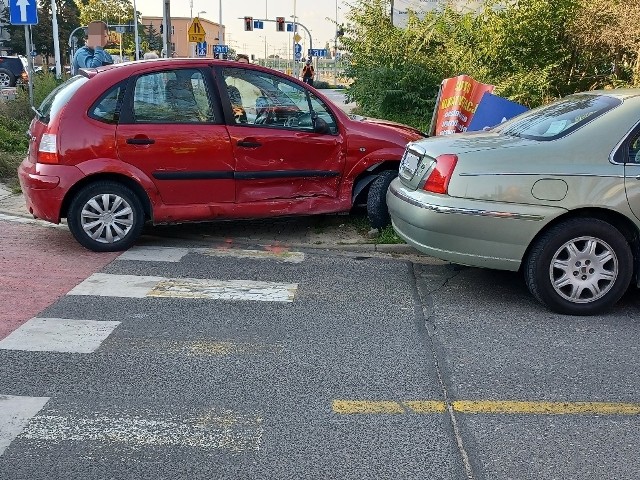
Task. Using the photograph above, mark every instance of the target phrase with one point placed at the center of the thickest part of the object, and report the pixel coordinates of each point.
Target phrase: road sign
(298, 55)
(201, 49)
(196, 32)
(290, 27)
(23, 12)
(258, 25)
(297, 38)
(297, 48)
(317, 52)
(220, 49)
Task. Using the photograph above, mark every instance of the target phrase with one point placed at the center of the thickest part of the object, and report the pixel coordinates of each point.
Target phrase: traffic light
(280, 27)
(248, 24)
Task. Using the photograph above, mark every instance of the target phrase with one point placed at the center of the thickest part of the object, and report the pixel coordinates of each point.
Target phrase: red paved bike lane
(38, 265)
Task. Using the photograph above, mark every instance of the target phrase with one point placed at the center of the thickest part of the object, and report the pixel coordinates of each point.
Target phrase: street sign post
(196, 32)
(317, 52)
(23, 12)
(220, 49)
(201, 49)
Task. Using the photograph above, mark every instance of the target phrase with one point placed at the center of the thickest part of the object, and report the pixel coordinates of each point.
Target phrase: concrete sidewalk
(336, 232)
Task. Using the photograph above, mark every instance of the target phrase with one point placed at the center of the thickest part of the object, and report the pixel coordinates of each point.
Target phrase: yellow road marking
(346, 407)
(546, 408)
(365, 406)
(426, 406)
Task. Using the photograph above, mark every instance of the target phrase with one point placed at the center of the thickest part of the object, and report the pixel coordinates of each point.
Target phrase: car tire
(7, 78)
(377, 209)
(579, 267)
(106, 217)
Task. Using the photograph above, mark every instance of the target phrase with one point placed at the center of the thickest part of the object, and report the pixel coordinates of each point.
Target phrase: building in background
(179, 30)
(401, 8)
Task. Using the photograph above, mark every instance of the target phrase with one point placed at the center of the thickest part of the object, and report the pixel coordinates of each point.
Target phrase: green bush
(15, 117)
(321, 84)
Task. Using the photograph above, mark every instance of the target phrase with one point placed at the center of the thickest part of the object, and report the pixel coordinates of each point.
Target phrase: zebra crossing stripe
(15, 413)
(133, 286)
(175, 254)
(211, 430)
(58, 335)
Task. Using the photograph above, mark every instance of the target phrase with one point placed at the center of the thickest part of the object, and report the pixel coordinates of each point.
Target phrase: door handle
(140, 141)
(248, 144)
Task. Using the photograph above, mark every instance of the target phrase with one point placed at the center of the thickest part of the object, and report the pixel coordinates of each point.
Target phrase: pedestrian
(92, 54)
(307, 73)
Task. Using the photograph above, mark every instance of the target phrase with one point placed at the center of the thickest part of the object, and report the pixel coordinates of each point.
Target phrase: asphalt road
(182, 359)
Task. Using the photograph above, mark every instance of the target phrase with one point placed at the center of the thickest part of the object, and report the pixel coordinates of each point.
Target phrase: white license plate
(409, 163)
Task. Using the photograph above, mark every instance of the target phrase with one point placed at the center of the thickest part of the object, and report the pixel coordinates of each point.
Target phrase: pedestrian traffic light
(248, 24)
(280, 27)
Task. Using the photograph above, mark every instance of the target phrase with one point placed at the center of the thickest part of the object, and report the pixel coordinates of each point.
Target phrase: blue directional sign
(220, 49)
(298, 55)
(201, 49)
(297, 48)
(23, 12)
(290, 27)
(258, 25)
(317, 52)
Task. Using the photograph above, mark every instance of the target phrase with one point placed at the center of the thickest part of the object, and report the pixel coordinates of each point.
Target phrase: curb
(360, 247)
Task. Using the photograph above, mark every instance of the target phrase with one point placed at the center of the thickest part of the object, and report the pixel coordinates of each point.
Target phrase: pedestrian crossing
(29, 419)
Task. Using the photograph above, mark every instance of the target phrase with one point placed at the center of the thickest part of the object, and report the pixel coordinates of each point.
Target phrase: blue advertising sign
(23, 12)
(493, 110)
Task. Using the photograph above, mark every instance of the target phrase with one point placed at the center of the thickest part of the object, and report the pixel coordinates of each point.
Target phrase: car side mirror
(319, 125)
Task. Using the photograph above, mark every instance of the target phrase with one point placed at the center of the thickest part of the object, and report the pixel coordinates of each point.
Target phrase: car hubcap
(583, 270)
(107, 218)
(5, 81)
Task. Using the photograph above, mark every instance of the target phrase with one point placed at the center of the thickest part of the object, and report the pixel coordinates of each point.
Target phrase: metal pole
(56, 40)
(27, 39)
(295, 22)
(135, 30)
(335, 51)
(166, 22)
(220, 27)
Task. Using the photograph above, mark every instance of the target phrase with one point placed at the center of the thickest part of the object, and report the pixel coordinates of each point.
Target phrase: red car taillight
(47, 150)
(438, 181)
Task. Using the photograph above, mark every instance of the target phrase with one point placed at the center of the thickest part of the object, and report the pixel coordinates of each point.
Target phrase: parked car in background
(554, 192)
(13, 71)
(176, 140)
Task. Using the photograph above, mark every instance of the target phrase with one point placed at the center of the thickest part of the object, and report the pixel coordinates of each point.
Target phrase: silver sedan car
(554, 193)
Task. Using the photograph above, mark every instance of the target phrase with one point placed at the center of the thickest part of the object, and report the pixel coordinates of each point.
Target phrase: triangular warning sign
(196, 27)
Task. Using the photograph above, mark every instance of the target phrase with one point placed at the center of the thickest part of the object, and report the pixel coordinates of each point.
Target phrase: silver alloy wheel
(107, 218)
(584, 269)
(5, 80)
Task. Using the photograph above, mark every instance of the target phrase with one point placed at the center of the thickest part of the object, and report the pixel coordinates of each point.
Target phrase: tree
(611, 29)
(390, 80)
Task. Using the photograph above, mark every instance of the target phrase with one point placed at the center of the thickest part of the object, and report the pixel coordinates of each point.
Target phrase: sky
(317, 15)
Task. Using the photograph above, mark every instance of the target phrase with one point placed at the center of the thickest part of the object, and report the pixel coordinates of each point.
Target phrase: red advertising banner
(459, 99)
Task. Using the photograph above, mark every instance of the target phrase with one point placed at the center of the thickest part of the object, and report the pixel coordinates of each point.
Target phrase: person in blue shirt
(92, 54)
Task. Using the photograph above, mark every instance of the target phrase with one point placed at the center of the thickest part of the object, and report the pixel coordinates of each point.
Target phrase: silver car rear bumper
(466, 231)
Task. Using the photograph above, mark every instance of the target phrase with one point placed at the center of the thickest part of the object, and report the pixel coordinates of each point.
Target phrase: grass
(385, 236)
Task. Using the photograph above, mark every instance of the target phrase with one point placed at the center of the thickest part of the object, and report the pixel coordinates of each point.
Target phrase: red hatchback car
(178, 140)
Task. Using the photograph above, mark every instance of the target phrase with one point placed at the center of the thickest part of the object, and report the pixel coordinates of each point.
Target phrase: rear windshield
(559, 118)
(59, 97)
